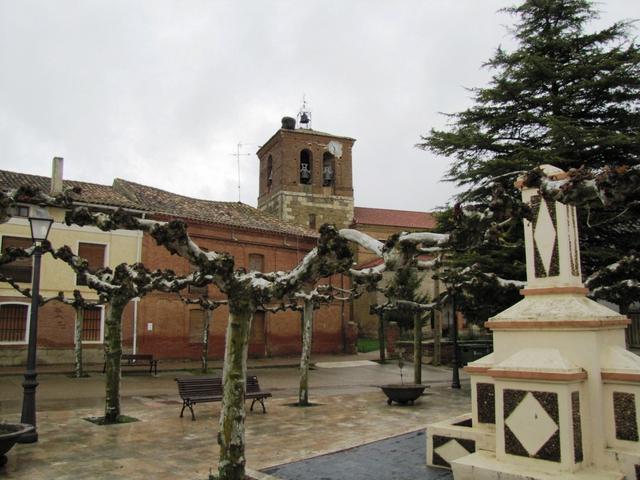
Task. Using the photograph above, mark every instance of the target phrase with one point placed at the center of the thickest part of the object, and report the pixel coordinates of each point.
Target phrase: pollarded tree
(117, 288)
(566, 96)
(246, 293)
(77, 302)
(312, 299)
(401, 253)
(79, 305)
(208, 305)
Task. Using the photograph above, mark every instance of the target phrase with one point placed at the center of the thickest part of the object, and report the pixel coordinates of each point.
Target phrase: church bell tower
(306, 176)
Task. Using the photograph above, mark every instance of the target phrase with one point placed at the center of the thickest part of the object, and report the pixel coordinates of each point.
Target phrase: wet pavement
(350, 411)
(395, 458)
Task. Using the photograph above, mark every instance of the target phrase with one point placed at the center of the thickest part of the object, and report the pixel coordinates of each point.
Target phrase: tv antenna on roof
(304, 115)
(237, 154)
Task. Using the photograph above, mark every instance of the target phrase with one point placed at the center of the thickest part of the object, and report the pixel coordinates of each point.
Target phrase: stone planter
(403, 393)
(9, 435)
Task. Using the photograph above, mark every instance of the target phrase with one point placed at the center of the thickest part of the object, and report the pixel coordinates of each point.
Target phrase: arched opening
(305, 167)
(328, 169)
(269, 173)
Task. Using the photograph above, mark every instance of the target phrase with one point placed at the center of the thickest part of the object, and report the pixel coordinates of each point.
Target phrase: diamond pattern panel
(451, 451)
(544, 234)
(447, 449)
(531, 424)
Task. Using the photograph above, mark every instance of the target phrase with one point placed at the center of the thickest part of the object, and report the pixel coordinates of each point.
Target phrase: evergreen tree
(566, 96)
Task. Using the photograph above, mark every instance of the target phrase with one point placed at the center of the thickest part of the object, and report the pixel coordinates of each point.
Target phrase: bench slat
(194, 390)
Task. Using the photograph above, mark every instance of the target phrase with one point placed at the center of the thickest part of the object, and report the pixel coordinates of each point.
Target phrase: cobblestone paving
(396, 458)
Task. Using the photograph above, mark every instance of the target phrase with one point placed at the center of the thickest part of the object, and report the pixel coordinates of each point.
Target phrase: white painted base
(485, 438)
(484, 466)
(623, 460)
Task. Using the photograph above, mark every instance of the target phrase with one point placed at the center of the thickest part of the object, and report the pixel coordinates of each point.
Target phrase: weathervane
(304, 115)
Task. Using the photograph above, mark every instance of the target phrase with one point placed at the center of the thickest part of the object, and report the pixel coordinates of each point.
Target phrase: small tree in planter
(400, 254)
(208, 306)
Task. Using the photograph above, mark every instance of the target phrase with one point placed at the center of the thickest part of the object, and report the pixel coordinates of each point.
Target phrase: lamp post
(40, 224)
(455, 380)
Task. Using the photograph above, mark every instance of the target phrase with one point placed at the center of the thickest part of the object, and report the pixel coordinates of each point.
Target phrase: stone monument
(559, 396)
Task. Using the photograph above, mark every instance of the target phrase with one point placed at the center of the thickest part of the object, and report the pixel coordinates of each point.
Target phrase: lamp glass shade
(40, 224)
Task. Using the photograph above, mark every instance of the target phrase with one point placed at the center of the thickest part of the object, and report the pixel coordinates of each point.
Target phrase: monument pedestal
(559, 396)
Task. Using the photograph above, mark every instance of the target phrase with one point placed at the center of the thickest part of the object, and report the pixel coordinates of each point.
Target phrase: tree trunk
(232, 415)
(307, 334)
(417, 348)
(437, 337)
(381, 339)
(208, 313)
(77, 351)
(112, 355)
(437, 327)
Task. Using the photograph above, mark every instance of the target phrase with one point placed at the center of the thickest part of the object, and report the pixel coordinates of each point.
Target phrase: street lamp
(455, 380)
(40, 224)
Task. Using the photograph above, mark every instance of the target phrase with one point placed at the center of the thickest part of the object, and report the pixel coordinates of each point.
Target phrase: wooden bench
(137, 360)
(193, 390)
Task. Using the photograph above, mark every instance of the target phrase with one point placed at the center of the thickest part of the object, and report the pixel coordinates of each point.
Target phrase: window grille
(92, 324)
(13, 323)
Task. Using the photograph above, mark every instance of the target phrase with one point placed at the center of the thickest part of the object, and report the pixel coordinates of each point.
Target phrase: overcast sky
(160, 92)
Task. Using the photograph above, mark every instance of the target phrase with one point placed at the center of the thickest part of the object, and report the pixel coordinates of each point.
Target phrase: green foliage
(405, 285)
(618, 283)
(566, 96)
(368, 345)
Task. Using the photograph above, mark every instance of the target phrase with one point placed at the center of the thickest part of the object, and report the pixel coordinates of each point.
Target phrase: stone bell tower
(306, 176)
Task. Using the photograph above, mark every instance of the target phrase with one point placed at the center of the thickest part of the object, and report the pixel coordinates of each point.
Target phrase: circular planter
(403, 393)
(9, 435)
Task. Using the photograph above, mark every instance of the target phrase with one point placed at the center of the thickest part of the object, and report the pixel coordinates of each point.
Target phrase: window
(256, 262)
(92, 325)
(327, 169)
(19, 269)
(269, 173)
(305, 167)
(312, 221)
(257, 328)
(13, 322)
(196, 324)
(19, 211)
(94, 253)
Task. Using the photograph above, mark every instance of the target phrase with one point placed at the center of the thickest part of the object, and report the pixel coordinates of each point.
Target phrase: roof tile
(393, 218)
(91, 193)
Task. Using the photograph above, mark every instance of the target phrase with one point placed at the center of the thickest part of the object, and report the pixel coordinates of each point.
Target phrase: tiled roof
(141, 197)
(234, 214)
(91, 193)
(393, 218)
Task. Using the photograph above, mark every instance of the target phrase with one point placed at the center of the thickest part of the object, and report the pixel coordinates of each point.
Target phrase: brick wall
(169, 335)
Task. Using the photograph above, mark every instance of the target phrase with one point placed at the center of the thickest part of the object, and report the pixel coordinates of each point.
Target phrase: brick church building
(305, 180)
